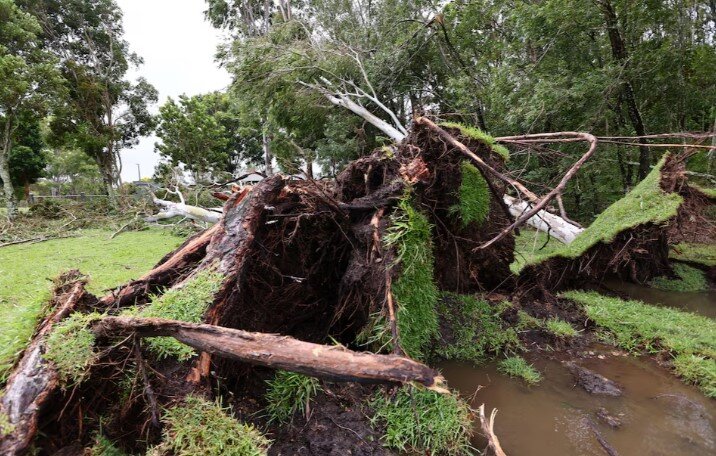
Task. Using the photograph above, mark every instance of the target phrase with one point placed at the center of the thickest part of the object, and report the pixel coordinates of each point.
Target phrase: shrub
(289, 393)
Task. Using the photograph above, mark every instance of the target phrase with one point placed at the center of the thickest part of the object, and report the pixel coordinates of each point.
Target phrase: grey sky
(178, 48)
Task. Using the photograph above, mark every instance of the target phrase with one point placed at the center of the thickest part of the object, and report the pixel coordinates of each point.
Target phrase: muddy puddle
(702, 303)
(659, 415)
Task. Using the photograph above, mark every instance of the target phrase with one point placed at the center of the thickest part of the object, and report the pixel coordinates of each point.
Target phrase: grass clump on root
(479, 135)
(70, 347)
(200, 427)
(422, 421)
(704, 254)
(689, 279)
(104, 447)
(185, 304)
(476, 329)
(288, 393)
(516, 366)
(474, 195)
(415, 291)
(645, 203)
(636, 326)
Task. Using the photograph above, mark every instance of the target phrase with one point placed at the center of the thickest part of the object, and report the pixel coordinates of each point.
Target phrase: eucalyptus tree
(104, 112)
(29, 81)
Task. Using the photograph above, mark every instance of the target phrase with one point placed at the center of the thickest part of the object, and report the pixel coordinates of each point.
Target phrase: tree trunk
(8, 189)
(619, 53)
(268, 157)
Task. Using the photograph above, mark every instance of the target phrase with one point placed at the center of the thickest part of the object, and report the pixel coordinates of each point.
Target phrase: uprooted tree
(295, 272)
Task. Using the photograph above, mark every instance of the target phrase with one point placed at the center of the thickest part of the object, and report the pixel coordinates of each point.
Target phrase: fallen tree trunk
(544, 221)
(34, 379)
(334, 363)
(171, 209)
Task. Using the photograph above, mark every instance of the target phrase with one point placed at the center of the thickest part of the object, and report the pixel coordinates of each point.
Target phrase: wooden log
(488, 430)
(279, 352)
(33, 379)
(544, 221)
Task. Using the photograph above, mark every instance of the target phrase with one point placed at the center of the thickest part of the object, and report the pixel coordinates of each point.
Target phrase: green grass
(104, 447)
(689, 279)
(531, 245)
(646, 203)
(185, 304)
(70, 346)
(420, 421)
(415, 291)
(560, 328)
(708, 191)
(704, 254)
(479, 135)
(474, 195)
(635, 326)
(288, 393)
(476, 329)
(200, 427)
(26, 271)
(516, 366)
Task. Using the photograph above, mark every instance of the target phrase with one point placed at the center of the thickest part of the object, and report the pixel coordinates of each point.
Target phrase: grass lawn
(27, 270)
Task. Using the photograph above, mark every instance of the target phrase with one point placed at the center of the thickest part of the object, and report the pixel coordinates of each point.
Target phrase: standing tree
(28, 157)
(104, 112)
(203, 132)
(29, 79)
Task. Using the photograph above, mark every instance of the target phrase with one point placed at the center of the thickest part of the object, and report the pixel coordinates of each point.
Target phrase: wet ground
(659, 414)
(702, 303)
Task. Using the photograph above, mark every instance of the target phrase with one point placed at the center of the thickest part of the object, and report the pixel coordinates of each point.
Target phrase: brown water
(702, 303)
(661, 415)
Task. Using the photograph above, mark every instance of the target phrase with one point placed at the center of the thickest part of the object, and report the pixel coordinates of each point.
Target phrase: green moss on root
(474, 195)
(479, 135)
(635, 326)
(476, 329)
(689, 279)
(415, 291)
(200, 427)
(420, 421)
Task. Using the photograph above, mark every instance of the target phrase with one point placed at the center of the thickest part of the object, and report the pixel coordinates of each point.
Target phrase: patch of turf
(530, 246)
(636, 326)
(420, 421)
(708, 191)
(200, 427)
(288, 393)
(476, 329)
(560, 328)
(645, 203)
(479, 135)
(516, 366)
(70, 346)
(690, 279)
(185, 304)
(474, 195)
(26, 271)
(704, 254)
(526, 321)
(415, 291)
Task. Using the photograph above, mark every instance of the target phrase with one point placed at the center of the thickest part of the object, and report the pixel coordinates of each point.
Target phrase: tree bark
(335, 363)
(34, 379)
(8, 188)
(555, 226)
(619, 53)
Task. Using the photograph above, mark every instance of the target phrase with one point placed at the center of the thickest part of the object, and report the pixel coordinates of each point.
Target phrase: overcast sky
(178, 48)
